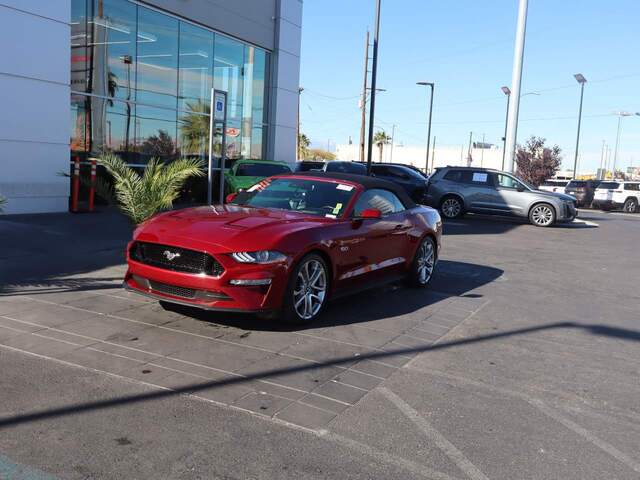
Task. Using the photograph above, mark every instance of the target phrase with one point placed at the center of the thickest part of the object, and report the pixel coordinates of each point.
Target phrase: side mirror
(230, 197)
(371, 213)
(520, 188)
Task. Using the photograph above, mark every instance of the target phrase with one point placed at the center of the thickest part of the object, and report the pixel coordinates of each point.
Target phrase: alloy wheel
(451, 208)
(630, 206)
(310, 290)
(542, 215)
(425, 262)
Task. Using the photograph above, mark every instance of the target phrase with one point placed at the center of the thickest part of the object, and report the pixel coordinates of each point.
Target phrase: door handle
(398, 227)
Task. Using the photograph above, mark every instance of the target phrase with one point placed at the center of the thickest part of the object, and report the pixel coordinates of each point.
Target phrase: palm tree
(3, 201)
(194, 129)
(381, 139)
(303, 146)
(141, 196)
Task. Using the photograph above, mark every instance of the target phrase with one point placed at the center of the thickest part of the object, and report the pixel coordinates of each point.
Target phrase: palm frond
(142, 196)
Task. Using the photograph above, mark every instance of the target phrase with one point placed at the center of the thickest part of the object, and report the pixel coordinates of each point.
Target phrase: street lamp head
(580, 78)
(506, 90)
(429, 84)
(624, 114)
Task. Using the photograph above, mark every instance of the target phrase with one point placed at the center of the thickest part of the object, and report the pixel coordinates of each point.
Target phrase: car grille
(172, 289)
(175, 258)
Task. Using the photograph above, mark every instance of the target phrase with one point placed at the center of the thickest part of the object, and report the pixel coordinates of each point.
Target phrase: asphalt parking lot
(521, 361)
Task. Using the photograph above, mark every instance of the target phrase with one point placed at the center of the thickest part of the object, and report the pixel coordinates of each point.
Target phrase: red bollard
(92, 190)
(75, 187)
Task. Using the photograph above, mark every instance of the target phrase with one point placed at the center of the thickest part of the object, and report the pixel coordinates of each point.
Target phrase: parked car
(415, 184)
(617, 194)
(553, 185)
(582, 191)
(340, 166)
(307, 165)
(286, 245)
(245, 173)
(456, 190)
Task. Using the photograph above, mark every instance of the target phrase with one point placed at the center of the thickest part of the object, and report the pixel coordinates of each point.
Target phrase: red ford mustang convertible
(286, 246)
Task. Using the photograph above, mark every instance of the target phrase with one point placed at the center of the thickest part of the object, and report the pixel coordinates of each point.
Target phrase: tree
(194, 129)
(319, 154)
(381, 139)
(3, 201)
(142, 196)
(303, 145)
(536, 162)
(160, 145)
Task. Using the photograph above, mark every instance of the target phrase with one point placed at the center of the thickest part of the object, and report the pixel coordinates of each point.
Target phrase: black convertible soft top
(366, 181)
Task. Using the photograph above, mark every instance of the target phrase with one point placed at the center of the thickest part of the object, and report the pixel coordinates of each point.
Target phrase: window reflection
(141, 84)
(157, 60)
(228, 76)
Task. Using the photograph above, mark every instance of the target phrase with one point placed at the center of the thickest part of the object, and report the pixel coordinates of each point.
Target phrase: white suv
(617, 194)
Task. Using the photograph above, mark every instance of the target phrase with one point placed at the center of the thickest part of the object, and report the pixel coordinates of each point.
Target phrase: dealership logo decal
(170, 255)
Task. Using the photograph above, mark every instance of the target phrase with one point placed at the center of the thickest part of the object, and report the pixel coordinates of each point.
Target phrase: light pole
(432, 85)
(615, 150)
(516, 78)
(374, 72)
(507, 91)
(581, 80)
(300, 90)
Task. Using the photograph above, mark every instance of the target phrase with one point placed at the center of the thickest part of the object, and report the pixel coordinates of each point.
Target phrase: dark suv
(456, 190)
(582, 190)
(413, 182)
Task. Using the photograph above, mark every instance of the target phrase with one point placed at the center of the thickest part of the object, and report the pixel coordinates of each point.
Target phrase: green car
(245, 173)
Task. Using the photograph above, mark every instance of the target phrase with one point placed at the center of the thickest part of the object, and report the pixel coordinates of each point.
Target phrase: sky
(466, 48)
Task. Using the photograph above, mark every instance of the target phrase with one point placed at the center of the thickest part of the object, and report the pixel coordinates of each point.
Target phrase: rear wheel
(630, 205)
(424, 263)
(451, 207)
(542, 215)
(307, 291)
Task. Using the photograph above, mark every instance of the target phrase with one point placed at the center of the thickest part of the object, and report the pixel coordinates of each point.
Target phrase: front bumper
(210, 292)
(568, 212)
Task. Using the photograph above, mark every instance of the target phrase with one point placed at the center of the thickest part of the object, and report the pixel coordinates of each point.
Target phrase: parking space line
(386, 457)
(448, 448)
(548, 411)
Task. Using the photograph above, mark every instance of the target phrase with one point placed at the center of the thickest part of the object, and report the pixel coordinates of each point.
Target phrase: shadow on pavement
(595, 329)
(452, 279)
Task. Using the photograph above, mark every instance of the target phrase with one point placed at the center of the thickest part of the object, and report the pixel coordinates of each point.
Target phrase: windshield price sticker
(346, 188)
(479, 177)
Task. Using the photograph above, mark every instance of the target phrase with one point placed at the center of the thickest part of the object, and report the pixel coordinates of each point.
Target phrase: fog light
(250, 282)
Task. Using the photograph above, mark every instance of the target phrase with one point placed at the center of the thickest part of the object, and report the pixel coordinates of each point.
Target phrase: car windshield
(577, 184)
(307, 166)
(315, 197)
(260, 169)
(609, 185)
(346, 167)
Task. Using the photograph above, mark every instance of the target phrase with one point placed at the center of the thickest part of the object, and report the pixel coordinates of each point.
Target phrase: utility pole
(482, 152)
(601, 172)
(432, 85)
(363, 101)
(469, 157)
(581, 80)
(393, 135)
(374, 71)
(433, 155)
(516, 79)
(507, 92)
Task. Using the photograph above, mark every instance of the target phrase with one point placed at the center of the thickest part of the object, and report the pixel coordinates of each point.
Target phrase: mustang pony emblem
(170, 255)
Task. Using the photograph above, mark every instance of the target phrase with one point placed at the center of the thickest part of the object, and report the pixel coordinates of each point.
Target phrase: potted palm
(140, 196)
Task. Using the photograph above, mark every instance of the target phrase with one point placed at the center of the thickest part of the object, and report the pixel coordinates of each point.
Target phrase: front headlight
(262, 256)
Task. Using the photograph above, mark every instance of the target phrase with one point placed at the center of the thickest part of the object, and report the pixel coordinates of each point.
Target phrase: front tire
(630, 205)
(542, 215)
(307, 291)
(424, 263)
(451, 207)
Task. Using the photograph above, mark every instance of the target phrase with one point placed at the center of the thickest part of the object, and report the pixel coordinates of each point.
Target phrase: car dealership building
(81, 77)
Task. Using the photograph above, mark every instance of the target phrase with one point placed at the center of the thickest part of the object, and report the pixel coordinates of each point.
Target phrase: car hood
(225, 228)
(561, 196)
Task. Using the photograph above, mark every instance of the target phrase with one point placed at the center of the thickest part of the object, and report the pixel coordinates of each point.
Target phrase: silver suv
(456, 190)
